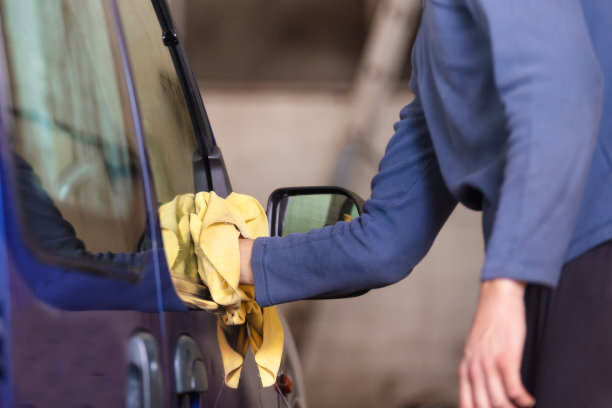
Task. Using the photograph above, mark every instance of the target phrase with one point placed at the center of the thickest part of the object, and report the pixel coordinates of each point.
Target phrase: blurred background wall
(286, 85)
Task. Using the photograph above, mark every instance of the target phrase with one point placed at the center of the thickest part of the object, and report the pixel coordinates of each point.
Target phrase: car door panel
(61, 359)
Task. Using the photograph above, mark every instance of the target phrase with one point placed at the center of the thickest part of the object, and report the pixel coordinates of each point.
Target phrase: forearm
(489, 373)
(369, 252)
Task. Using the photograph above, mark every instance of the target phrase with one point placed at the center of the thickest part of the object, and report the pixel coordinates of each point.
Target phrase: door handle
(144, 385)
(189, 370)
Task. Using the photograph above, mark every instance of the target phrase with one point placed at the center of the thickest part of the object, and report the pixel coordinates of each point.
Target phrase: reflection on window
(77, 167)
(167, 125)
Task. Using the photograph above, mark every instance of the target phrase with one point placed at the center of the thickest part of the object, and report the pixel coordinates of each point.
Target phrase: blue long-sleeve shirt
(512, 116)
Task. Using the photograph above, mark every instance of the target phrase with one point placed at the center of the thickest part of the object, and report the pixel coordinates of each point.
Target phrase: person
(512, 116)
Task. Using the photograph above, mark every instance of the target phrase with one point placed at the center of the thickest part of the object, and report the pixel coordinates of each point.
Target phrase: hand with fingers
(489, 374)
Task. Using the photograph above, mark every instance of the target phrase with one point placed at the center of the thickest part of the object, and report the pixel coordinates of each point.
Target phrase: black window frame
(210, 172)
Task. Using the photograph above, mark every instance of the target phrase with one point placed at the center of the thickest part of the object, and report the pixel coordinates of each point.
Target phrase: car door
(184, 158)
(80, 284)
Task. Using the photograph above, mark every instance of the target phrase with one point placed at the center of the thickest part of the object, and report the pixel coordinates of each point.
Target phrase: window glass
(77, 167)
(167, 125)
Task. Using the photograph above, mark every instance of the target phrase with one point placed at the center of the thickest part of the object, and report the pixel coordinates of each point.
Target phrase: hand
(489, 374)
(246, 249)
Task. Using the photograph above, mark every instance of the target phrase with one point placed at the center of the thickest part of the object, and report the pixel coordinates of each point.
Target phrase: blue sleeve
(48, 228)
(550, 84)
(408, 206)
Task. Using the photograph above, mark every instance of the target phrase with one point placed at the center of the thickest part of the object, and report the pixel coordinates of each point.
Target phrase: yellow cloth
(174, 219)
(200, 236)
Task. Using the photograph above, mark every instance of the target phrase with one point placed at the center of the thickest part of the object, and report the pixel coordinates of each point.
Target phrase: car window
(167, 125)
(73, 144)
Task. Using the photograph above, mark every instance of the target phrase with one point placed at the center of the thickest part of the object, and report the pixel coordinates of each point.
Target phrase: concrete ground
(394, 346)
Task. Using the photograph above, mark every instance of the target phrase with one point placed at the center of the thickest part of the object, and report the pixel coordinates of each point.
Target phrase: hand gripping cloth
(200, 234)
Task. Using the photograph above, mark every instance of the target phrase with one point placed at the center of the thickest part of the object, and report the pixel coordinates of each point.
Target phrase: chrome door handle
(145, 385)
(189, 370)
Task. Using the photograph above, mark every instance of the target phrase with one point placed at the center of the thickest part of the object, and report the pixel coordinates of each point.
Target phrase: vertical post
(393, 28)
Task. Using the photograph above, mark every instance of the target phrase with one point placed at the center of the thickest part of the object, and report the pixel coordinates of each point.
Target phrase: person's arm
(63, 287)
(408, 206)
(550, 84)
(549, 81)
(51, 232)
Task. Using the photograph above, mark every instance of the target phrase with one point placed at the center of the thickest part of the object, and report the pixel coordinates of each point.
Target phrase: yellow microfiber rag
(200, 234)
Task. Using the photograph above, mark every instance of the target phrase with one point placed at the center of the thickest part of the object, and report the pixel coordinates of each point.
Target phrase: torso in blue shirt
(475, 62)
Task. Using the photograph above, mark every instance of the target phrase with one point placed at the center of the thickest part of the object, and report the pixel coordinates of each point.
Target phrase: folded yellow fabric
(174, 219)
(200, 235)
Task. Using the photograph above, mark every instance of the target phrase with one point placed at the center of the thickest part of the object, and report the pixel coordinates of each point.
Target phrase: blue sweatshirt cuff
(547, 275)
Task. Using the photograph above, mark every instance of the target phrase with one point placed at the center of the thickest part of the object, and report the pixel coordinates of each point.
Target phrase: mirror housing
(301, 209)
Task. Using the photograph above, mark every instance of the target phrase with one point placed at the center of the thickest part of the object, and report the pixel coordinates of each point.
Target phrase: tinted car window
(167, 125)
(74, 149)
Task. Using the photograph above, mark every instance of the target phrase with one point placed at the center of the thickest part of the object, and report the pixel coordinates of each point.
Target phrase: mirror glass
(303, 213)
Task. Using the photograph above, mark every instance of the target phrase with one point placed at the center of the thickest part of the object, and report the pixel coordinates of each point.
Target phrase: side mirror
(301, 209)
